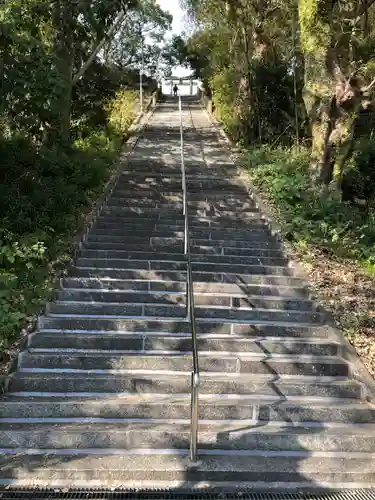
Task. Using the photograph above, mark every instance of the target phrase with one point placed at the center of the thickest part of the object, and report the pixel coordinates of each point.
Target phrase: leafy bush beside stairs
(43, 195)
(333, 226)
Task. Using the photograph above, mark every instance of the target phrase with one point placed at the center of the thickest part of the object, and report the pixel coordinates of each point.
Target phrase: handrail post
(193, 452)
(190, 313)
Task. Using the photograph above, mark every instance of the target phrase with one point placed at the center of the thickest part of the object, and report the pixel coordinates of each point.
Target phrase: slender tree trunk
(64, 18)
(332, 99)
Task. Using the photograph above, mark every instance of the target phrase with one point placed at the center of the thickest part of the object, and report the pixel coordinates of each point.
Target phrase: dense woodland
(69, 73)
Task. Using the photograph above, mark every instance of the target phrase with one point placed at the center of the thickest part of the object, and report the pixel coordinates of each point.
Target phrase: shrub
(331, 225)
(121, 111)
(43, 193)
(359, 176)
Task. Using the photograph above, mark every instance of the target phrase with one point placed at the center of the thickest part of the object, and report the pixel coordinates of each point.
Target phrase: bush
(226, 102)
(43, 193)
(359, 176)
(330, 225)
(121, 111)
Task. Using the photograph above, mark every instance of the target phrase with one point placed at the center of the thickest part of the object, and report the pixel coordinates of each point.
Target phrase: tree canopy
(302, 66)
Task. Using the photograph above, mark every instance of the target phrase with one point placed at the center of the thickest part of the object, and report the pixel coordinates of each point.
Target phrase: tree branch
(369, 87)
(98, 47)
(364, 7)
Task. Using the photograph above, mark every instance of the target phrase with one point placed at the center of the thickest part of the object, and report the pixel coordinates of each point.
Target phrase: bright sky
(173, 6)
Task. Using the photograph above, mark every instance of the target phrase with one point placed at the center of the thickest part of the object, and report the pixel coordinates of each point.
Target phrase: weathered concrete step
(209, 233)
(210, 213)
(92, 284)
(309, 412)
(169, 435)
(207, 220)
(102, 284)
(171, 325)
(228, 383)
(191, 171)
(229, 468)
(212, 202)
(204, 277)
(161, 194)
(218, 200)
(164, 256)
(179, 249)
(112, 310)
(202, 209)
(209, 188)
(160, 310)
(170, 265)
(158, 242)
(111, 362)
(129, 211)
(204, 187)
(238, 300)
(160, 225)
(155, 174)
(131, 264)
(166, 345)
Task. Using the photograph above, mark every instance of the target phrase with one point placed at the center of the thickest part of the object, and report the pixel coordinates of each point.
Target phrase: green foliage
(247, 62)
(330, 225)
(121, 111)
(20, 266)
(225, 97)
(359, 176)
(43, 193)
(59, 137)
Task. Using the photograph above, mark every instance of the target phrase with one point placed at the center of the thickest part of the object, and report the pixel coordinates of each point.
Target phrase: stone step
(157, 242)
(237, 300)
(113, 363)
(239, 206)
(160, 468)
(175, 173)
(168, 344)
(102, 284)
(119, 265)
(179, 218)
(166, 256)
(94, 384)
(202, 209)
(169, 434)
(160, 225)
(296, 411)
(204, 277)
(160, 310)
(77, 324)
(208, 233)
(179, 249)
(191, 171)
(203, 187)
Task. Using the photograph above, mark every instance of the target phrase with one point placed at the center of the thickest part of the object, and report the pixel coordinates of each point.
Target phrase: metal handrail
(190, 312)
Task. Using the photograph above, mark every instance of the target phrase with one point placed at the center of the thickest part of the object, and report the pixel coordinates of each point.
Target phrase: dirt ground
(345, 290)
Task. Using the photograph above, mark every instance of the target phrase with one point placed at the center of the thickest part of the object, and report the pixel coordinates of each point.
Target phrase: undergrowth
(43, 195)
(309, 222)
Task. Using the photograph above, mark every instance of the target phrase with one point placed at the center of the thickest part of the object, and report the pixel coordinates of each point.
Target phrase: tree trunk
(64, 18)
(319, 86)
(332, 100)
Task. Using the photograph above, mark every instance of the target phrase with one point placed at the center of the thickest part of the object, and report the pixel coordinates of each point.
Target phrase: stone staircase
(101, 394)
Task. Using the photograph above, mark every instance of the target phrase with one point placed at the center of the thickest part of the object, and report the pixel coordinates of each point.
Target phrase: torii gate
(180, 81)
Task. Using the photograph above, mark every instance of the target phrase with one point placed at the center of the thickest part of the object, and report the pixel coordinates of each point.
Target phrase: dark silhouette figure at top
(175, 90)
